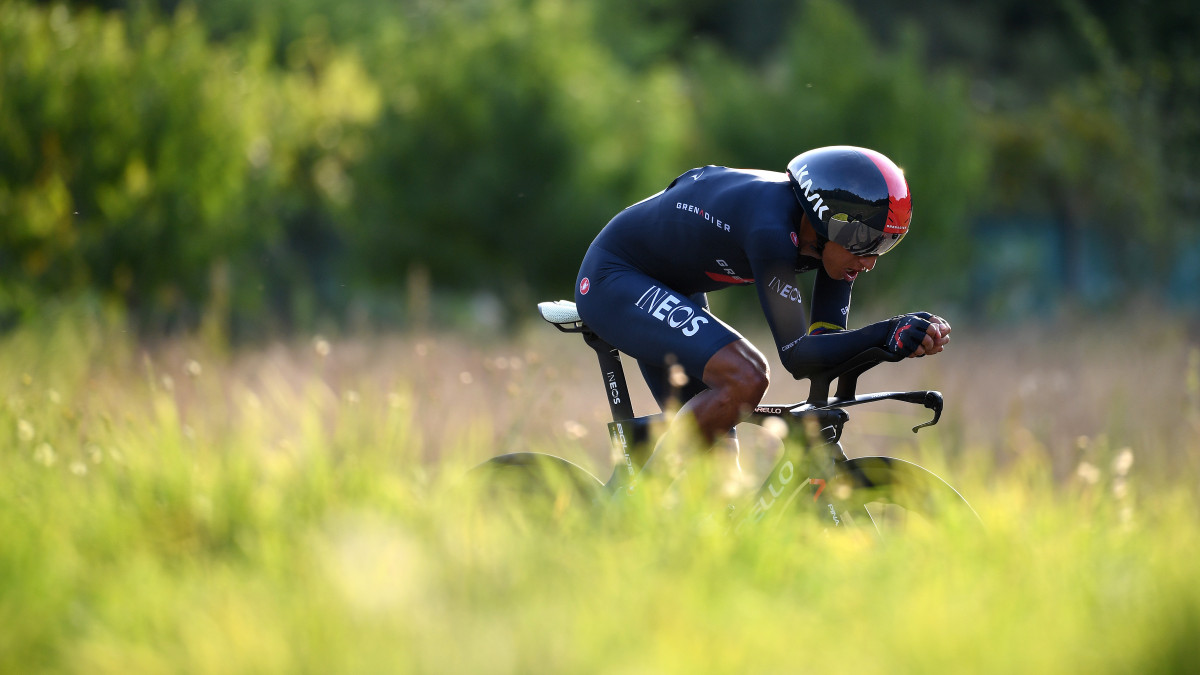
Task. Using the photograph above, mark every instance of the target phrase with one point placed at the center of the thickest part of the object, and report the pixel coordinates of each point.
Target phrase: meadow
(298, 507)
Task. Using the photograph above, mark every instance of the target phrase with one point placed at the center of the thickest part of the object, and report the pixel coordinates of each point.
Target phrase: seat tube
(616, 389)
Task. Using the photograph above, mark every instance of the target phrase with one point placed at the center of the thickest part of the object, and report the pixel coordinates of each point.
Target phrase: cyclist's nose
(868, 262)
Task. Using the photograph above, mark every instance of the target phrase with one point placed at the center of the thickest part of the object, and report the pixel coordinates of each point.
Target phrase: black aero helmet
(854, 197)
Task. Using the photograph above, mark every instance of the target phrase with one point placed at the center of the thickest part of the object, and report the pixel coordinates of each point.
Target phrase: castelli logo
(585, 286)
(795, 240)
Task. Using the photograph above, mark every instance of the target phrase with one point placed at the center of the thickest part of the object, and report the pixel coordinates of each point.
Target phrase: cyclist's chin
(842, 273)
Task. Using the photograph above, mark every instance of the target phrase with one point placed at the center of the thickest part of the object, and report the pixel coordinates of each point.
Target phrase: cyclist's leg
(648, 321)
(671, 393)
(737, 376)
(668, 391)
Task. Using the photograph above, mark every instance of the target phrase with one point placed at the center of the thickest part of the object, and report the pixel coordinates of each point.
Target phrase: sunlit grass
(300, 508)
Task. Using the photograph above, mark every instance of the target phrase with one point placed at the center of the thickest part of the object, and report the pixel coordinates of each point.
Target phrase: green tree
(509, 138)
(138, 161)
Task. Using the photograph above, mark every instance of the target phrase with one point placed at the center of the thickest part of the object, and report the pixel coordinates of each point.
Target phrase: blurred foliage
(144, 163)
(248, 166)
(299, 509)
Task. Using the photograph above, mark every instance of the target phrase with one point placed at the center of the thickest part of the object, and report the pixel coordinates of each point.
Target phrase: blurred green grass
(299, 508)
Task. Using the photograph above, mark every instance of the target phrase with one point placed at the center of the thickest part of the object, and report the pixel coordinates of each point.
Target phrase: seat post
(615, 387)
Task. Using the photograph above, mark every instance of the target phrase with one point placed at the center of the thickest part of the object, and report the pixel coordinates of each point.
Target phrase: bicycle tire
(876, 484)
(530, 480)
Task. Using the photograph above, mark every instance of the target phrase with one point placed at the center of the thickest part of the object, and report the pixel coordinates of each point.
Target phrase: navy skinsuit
(643, 281)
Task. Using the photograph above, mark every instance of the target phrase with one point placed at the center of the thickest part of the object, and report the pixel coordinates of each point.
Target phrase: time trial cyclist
(642, 285)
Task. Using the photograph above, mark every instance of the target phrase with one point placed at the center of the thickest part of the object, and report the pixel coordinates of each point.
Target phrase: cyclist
(643, 282)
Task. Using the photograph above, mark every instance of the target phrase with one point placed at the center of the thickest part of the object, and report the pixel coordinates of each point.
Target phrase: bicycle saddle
(563, 314)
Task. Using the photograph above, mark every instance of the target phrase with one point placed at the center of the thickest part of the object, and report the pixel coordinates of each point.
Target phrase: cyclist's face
(842, 264)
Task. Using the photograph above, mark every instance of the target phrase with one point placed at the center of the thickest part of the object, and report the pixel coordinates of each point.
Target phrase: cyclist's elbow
(796, 357)
(804, 370)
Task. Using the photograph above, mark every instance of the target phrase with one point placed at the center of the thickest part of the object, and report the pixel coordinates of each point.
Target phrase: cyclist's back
(712, 227)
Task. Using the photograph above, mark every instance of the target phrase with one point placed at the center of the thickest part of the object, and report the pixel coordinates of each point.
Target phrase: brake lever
(933, 401)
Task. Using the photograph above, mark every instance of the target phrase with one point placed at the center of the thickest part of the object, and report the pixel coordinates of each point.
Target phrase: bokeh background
(267, 282)
(253, 169)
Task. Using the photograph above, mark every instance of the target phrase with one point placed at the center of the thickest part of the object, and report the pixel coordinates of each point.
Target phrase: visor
(859, 238)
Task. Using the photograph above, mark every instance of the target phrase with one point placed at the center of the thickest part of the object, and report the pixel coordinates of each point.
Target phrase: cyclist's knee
(754, 380)
(740, 372)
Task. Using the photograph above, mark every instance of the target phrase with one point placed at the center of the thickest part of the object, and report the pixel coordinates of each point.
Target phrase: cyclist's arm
(806, 349)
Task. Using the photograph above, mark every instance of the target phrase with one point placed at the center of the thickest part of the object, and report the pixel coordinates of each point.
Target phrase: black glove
(906, 332)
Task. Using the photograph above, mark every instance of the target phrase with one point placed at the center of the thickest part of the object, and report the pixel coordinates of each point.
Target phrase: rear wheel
(535, 484)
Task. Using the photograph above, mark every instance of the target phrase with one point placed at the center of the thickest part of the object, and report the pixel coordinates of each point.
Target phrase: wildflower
(1088, 473)
(776, 427)
(1120, 489)
(45, 455)
(321, 346)
(677, 376)
(574, 429)
(25, 431)
(1123, 462)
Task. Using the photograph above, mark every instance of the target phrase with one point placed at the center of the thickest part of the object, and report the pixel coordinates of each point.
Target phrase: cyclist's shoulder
(712, 176)
(750, 179)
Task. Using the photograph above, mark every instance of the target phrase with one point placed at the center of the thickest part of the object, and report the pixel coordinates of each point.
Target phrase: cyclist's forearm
(814, 353)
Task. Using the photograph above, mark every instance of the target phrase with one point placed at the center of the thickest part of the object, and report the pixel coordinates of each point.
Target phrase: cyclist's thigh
(643, 318)
(658, 376)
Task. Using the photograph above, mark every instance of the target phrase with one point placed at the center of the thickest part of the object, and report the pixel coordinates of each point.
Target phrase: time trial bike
(813, 475)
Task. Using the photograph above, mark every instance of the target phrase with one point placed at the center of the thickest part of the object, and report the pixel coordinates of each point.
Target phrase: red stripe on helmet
(899, 198)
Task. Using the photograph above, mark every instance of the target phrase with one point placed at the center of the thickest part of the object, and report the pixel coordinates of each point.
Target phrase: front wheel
(889, 491)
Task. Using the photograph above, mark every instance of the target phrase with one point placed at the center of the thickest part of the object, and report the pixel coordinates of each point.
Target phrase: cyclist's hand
(940, 332)
(917, 334)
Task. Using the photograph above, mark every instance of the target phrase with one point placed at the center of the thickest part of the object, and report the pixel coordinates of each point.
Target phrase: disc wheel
(535, 483)
(896, 494)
